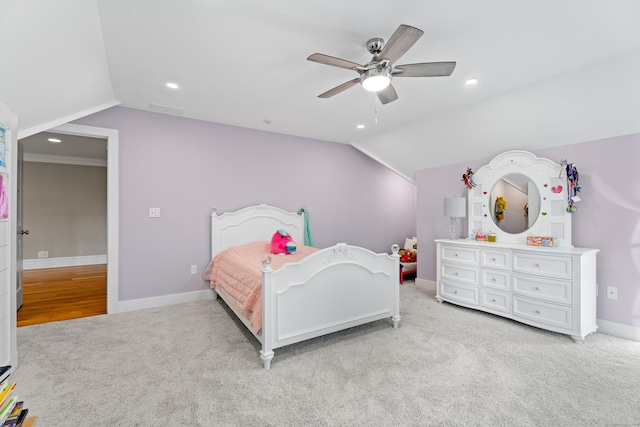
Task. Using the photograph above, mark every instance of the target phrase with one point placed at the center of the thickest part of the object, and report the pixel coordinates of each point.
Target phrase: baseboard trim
(618, 330)
(164, 300)
(34, 264)
(428, 285)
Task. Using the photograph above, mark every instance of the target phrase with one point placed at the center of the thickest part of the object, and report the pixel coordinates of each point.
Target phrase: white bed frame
(333, 289)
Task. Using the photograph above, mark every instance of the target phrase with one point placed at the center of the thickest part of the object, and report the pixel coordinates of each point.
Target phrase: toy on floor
(408, 255)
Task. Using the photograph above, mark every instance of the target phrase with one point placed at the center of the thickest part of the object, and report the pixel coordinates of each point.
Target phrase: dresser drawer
(495, 259)
(543, 265)
(5, 340)
(547, 289)
(459, 273)
(468, 256)
(4, 305)
(549, 314)
(4, 232)
(495, 300)
(459, 293)
(4, 257)
(5, 281)
(496, 279)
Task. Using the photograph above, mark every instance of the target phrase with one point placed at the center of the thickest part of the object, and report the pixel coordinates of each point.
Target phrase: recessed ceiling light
(172, 85)
(360, 126)
(471, 82)
(54, 140)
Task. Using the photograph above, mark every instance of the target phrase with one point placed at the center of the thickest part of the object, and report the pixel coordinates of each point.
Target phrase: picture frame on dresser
(552, 288)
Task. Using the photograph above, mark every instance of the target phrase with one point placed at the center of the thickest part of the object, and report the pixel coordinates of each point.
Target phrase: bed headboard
(253, 223)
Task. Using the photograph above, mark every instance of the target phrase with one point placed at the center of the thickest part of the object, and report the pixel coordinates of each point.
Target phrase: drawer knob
(493, 279)
(535, 288)
(455, 254)
(455, 292)
(493, 259)
(493, 300)
(455, 274)
(536, 311)
(536, 265)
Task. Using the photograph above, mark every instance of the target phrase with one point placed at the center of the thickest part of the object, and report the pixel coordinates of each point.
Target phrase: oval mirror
(515, 203)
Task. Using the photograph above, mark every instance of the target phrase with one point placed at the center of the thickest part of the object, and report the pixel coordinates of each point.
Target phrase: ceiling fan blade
(336, 62)
(400, 42)
(336, 90)
(387, 95)
(425, 69)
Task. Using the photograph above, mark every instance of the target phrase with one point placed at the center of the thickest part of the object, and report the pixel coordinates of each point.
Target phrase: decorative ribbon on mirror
(573, 187)
(467, 178)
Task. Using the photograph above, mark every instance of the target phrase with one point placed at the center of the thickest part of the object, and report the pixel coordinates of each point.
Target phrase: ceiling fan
(375, 76)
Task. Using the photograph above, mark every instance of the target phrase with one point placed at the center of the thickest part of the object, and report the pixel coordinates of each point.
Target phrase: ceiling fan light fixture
(375, 80)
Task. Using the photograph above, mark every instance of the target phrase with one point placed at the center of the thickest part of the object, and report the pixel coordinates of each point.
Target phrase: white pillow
(408, 243)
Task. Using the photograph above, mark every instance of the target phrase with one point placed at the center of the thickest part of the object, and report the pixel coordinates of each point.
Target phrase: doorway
(63, 293)
(107, 258)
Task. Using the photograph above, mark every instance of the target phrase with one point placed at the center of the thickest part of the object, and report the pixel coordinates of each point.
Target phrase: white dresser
(551, 288)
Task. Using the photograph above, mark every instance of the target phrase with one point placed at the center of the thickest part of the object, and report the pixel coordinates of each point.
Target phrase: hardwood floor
(64, 293)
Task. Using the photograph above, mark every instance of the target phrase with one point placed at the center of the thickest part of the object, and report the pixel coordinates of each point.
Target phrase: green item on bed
(308, 240)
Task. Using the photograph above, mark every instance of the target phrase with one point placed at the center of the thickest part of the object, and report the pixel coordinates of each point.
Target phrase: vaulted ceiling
(243, 63)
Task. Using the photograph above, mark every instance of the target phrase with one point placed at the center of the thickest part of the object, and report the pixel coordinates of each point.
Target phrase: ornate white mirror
(518, 195)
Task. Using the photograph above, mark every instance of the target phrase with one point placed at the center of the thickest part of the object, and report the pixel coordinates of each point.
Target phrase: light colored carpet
(195, 365)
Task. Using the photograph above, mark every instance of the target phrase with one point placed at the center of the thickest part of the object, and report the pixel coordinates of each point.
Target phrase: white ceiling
(243, 63)
(37, 147)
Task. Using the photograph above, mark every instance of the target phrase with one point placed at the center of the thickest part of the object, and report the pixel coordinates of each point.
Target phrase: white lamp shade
(454, 207)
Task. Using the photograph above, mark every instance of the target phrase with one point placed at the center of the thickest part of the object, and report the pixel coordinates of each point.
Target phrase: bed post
(215, 233)
(266, 354)
(396, 287)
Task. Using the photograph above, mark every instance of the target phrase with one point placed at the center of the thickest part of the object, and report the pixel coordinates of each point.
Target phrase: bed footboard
(333, 289)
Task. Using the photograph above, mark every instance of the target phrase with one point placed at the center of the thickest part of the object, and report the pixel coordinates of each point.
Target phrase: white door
(21, 232)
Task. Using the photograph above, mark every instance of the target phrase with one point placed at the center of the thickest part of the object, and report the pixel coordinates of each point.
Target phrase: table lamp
(454, 208)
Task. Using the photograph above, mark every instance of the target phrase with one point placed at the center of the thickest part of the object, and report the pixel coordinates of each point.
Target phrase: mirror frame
(553, 219)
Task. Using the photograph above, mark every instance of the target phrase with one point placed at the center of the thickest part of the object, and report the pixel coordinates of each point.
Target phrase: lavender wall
(185, 167)
(608, 217)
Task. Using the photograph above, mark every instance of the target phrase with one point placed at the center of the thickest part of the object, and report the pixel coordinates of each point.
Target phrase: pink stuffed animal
(282, 243)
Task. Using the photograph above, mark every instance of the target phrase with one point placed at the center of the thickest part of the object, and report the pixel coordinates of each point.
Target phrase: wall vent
(165, 109)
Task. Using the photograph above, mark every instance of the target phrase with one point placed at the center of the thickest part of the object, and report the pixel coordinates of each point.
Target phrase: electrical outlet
(154, 212)
(194, 269)
(612, 292)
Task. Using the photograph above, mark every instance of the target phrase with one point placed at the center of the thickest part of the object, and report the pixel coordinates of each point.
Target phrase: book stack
(12, 410)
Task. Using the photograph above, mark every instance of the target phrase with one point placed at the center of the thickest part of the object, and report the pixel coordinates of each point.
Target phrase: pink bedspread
(238, 271)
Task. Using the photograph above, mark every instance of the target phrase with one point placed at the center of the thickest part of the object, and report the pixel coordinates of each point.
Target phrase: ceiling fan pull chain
(375, 108)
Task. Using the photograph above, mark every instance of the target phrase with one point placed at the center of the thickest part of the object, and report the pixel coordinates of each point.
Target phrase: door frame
(111, 135)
